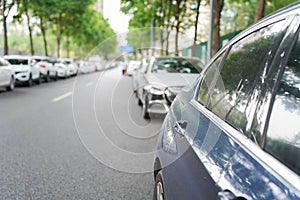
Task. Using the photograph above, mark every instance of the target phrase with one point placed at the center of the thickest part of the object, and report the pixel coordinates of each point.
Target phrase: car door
(198, 159)
(35, 70)
(5, 73)
(267, 166)
(217, 118)
(141, 80)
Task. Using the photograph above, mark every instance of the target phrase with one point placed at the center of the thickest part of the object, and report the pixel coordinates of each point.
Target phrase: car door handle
(228, 195)
(180, 127)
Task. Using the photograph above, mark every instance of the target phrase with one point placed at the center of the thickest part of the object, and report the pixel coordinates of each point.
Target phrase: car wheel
(159, 192)
(30, 82)
(140, 103)
(55, 77)
(38, 80)
(11, 86)
(47, 79)
(145, 109)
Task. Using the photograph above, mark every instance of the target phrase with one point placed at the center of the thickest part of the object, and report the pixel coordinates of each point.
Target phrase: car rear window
(18, 61)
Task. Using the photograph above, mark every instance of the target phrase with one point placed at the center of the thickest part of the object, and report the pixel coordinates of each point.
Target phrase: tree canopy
(76, 26)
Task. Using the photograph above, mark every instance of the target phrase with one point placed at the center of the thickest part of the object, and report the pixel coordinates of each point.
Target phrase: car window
(234, 94)
(170, 65)
(283, 135)
(208, 79)
(18, 61)
(3, 63)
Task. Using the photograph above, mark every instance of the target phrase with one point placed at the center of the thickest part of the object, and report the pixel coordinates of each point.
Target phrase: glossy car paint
(207, 158)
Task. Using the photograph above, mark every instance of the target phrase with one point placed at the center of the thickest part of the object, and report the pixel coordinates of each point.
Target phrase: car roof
(16, 57)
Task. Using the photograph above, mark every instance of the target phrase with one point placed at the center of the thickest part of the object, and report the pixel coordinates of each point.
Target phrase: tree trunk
(176, 39)
(162, 26)
(260, 9)
(196, 28)
(162, 41)
(177, 14)
(58, 35)
(218, 6)
(44, 35)
(30, 32)
(4, 27)
(68, 46)
(168, 26)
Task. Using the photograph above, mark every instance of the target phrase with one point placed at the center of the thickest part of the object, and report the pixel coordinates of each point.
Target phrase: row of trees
(182, 15)
(74, 21)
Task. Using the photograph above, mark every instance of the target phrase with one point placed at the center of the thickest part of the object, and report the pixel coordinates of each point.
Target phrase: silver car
(158, 84)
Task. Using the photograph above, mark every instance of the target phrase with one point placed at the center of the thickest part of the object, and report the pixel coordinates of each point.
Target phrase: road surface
(79, 138)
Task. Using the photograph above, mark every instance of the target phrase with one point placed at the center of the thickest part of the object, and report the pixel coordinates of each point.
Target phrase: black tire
(140, 103)
(159, 191)
(38, 80)
(11, 86)
(30, 81)
(55, 77)
(145, 108)
(47, 78)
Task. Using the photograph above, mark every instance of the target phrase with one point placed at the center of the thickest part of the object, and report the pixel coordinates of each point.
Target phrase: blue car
(236, 133)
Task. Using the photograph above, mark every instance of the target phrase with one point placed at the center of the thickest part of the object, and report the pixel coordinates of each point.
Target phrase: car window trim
(205, 70)
(228, 47)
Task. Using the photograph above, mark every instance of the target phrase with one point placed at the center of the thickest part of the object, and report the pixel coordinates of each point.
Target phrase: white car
(7, 75)
(25, 68)
(133, 66)
(47, 69)
(72, 67)
(62, 70)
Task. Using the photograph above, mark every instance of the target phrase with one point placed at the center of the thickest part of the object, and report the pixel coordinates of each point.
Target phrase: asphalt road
(80, 138)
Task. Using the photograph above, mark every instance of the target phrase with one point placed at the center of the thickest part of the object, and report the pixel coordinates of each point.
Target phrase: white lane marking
(62, 97)
(89, 84)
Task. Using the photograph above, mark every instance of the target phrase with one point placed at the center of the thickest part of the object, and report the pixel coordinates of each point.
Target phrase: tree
(24, 8)
(260, 9)
(196, 27)
(168, 14)
(6, 6)
(218, 6)
(42, 10)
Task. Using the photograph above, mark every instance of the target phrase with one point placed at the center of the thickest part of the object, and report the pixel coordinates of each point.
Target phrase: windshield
(171, 65)
(38, 60)
(18, 61)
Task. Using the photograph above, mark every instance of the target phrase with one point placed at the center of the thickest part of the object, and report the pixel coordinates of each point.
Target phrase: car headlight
(171, 93)
(154, 90)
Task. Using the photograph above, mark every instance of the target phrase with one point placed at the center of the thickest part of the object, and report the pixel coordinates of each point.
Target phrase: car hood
(18, 68)
(171, 79)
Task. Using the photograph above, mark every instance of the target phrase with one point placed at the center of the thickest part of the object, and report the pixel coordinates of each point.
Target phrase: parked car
(47, 69)
(132, 66)
(157, 86)
(62, 69)
(72, 67)
(7, 75)
(137, 73)
(26, 70)
(236, 133)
